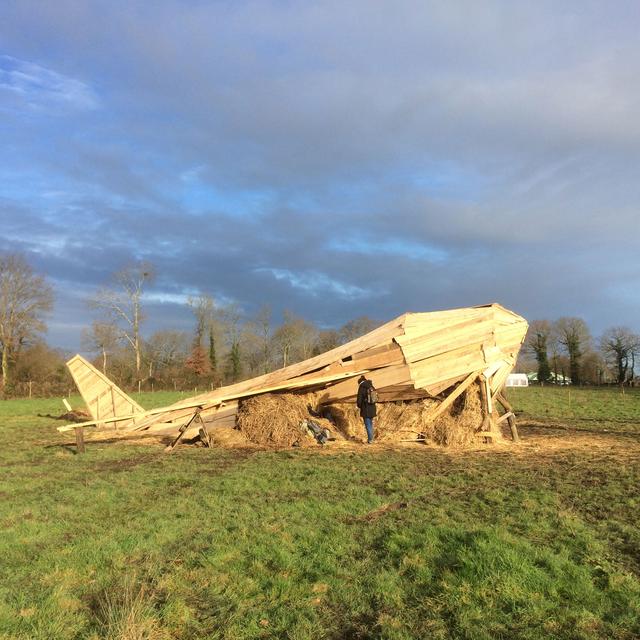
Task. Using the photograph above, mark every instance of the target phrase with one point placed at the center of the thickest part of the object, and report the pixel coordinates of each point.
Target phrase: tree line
(565, 351)
(226, 346)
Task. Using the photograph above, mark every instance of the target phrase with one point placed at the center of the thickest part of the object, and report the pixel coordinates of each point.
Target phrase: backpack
(371, 396)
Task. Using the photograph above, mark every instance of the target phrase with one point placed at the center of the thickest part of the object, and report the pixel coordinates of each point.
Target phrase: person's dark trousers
(368, 423)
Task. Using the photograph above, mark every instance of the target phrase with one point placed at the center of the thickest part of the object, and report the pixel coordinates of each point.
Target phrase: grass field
(538, 540)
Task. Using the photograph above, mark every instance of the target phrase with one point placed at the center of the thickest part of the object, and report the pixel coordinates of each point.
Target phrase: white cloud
(39, 88)
(317, 283)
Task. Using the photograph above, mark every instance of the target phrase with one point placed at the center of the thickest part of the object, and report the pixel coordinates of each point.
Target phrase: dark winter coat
(366, 410)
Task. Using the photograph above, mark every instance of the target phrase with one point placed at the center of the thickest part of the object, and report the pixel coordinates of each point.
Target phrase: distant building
(553, 379)
(517, 380)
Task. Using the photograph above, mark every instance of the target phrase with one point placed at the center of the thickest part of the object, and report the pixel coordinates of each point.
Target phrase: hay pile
(274, 419)
(458, 426)
(408, 420)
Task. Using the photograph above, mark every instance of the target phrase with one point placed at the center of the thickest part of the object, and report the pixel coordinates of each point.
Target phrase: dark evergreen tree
(234, 365)
(536, 343)
(212, 351)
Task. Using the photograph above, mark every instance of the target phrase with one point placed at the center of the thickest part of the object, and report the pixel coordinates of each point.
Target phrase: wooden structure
(417, 355)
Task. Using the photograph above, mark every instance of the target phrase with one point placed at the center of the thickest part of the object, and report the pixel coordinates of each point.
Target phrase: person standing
(366, 402)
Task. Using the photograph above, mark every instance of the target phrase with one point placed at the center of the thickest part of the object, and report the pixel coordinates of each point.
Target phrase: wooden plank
(510, 415)
(457, 327)
(374, 351)
(443, 370)
(444, 346)
(450, 399)
(387, 358)
(176, 409)
(500, 377)
(381, 335)
(484, 402)
(443, 385)
(347, 390)
(442, 318)
(170, 447)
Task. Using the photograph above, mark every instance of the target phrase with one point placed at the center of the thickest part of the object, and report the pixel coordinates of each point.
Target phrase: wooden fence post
(80, 439)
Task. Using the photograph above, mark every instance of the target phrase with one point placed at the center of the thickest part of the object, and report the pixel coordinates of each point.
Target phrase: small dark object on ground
(77, 415)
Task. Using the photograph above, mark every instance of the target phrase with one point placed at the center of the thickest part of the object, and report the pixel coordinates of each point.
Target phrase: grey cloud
(364, 158)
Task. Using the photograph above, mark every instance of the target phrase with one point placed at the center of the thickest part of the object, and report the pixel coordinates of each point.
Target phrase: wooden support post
(204, 434)
(484, 400)
(514, 428)
(511, 418)
(169, 448)
(450, 399)
(504, 402)
(80, 439)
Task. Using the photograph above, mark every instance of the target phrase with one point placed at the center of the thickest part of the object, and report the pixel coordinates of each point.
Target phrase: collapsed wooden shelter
(435, 355)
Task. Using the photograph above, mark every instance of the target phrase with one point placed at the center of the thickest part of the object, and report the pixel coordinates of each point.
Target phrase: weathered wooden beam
(484, 402)
(451, 398)
(505, 416)
(169, 448)
(511, 419)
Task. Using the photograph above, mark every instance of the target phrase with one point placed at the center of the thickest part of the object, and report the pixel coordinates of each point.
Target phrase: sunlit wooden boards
(441, 347)
(415, 355)
(103, 398)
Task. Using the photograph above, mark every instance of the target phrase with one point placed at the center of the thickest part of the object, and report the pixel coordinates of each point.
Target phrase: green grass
(126, 542)
(589, 407)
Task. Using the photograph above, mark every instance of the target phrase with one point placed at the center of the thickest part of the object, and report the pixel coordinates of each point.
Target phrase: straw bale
(458, 426)
(408, 419)
(274, 419)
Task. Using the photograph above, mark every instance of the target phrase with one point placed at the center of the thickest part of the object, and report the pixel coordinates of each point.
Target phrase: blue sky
(335, 159)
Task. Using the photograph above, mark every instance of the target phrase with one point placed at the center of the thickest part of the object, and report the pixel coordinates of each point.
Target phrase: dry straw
(274, 419)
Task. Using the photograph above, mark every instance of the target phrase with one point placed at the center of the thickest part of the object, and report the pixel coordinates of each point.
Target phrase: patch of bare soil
(126, 465)
(380, 511)
(540, 437)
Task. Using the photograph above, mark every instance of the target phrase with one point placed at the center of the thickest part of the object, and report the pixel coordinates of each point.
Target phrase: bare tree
(295, 338)
(165, 349)
(25, 298)
(356, 328)
(620, 346)
(573, 334)
(123, 305)
(230, 319)
(262, 322)
(594, 368)
(102, 338)
(327, 340)
(203, 310)
(199, 362)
